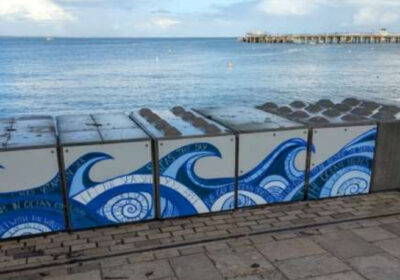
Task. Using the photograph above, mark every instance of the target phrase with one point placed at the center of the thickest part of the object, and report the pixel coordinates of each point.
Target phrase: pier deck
(336, 38)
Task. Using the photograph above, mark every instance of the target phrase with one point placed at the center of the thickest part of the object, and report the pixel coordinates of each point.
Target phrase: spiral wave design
(127, 207)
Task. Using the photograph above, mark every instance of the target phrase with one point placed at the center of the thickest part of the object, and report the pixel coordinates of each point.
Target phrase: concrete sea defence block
(271, 154)
(342, 150)
(108, 170)
(31, 196)
(194, 162)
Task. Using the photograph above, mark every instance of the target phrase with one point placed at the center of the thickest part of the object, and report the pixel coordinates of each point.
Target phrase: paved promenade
(346, 238)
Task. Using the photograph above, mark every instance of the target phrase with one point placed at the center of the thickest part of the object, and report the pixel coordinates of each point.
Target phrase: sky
(193, 18)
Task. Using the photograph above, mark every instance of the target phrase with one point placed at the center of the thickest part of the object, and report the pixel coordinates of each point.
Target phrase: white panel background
(255, 147)
(209, 167)
(27, 169)
(328, 141)
(128, 157)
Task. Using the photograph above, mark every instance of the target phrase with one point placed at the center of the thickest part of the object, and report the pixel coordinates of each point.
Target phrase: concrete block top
(27, 132)
(246, 119)
(176, 123)
(349, 112)
(97, 129)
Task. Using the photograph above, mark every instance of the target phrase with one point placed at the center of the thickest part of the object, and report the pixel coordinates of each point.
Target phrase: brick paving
(344, 238)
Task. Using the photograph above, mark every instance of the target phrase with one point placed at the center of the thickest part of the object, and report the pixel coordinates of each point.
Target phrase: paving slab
(191, 250)
(391, 246)
(346, 244)
(89, 275)
(261, 238)
(377, 267)
(269, 275)
(130, 249)
(388, 220)
(274, 275)
(310, 266)
(372, 234)
(339, 276)
(29, 277)
(240, 262)
(141, 257)
(114, 262)
(285, 235)
(195, 267)
(146, 270)
(290, 248)
(369, 223)
(393, 228)
(249, 277)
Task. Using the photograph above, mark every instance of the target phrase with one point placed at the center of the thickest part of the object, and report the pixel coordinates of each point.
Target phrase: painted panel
(272, 167)
(341, 161)
(196, 176)
(31, 196)
(109, 184)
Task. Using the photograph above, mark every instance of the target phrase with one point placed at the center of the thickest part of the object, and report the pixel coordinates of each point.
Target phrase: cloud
(288, 7)
(36, 10)
(191, 18)
(373, 15)
(381, 3)
(365, 12)
(165, 22)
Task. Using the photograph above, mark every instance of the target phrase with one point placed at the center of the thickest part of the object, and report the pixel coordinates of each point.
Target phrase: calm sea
(95, 75)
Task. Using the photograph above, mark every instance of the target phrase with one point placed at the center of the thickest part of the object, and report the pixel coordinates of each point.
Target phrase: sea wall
(87, 171)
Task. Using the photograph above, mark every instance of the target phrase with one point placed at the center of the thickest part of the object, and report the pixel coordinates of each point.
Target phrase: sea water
(68, 75)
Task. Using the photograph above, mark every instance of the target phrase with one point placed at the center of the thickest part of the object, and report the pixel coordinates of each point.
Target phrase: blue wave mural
(130, 197)
(183, 192)
(348, 172)
(123, 199)
(34, 211)
(276, 179)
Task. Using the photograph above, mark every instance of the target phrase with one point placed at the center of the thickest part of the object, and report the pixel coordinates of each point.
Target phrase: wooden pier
(383, 37)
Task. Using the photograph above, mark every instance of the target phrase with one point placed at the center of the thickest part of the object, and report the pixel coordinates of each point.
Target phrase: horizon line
(117, 37)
